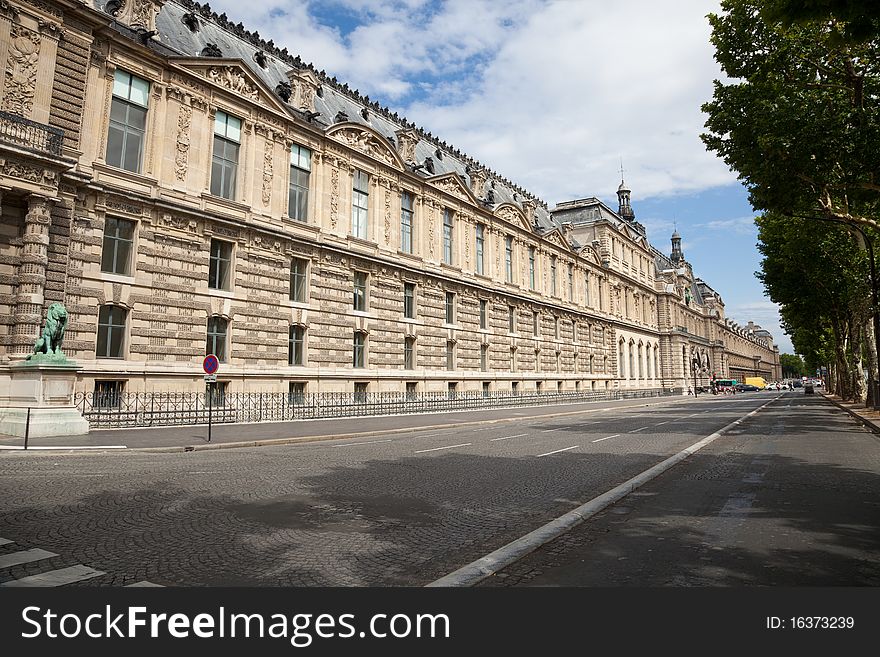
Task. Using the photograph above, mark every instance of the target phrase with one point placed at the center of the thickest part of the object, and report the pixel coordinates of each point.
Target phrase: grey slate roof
(234, 41)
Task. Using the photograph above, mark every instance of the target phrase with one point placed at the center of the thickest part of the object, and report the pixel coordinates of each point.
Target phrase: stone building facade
(185, 187)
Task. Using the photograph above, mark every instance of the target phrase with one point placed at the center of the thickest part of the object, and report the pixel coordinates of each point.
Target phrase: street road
(387, 510)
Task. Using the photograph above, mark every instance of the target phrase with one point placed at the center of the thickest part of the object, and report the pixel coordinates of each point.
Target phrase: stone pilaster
(31, 276)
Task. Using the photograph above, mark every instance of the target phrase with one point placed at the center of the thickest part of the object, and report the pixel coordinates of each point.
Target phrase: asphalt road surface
(407, 508)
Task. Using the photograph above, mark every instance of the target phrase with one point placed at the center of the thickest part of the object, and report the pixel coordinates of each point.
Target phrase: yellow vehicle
(757, 381)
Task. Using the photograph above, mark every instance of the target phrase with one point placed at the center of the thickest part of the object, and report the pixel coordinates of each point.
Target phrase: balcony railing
(19, 131)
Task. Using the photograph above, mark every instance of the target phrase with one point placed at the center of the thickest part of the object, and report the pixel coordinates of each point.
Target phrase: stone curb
(871, 425)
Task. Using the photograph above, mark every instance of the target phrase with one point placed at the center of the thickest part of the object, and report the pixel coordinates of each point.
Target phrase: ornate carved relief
(430, 228)
(406, 144)
(233, 79)
(450, 186)
(334, 196)
(478, 181)
(267, 173)
(184, 119)
(387, 217)
(22, 171)
(21, 71)
(366, 143)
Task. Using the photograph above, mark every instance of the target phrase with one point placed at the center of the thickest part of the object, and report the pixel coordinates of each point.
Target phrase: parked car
(796, 384)
(745, 387)
(772, 386)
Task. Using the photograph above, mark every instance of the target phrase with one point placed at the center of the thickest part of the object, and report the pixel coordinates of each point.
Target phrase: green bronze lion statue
(53, 332)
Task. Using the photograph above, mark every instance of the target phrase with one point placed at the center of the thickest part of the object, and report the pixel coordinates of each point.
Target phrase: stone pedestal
(45, 388)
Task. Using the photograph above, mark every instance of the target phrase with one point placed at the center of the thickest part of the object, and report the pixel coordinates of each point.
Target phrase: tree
(799, 119)
(792, 366)
(817, 273)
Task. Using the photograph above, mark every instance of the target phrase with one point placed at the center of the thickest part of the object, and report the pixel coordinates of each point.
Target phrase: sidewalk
(868, 417)
(195, 437)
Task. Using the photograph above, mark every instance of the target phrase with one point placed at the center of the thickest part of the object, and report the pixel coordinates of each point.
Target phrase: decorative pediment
(234, 76)
(513, 215)
(367, 141)
(556, 237)
(452, 183)
(590, 254)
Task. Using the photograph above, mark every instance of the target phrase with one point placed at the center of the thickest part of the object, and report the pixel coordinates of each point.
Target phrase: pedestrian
(690, 391)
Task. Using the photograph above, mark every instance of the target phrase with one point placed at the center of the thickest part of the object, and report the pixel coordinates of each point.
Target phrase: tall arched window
(641, 362)
(656, 362)
(632, 360)
(621, 367)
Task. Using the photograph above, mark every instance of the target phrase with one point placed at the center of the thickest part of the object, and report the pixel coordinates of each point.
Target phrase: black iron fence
(19, 131)
(155, 409)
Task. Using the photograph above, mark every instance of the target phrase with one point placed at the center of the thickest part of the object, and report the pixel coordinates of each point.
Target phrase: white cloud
(547, 93)
(740, 225)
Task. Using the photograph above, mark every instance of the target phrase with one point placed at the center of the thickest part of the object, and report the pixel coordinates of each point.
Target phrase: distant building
(185, 187)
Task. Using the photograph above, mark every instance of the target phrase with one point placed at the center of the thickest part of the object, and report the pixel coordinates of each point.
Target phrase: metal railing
(19, 131)
(155, 409)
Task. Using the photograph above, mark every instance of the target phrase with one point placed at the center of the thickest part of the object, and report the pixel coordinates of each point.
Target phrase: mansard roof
(335, 99)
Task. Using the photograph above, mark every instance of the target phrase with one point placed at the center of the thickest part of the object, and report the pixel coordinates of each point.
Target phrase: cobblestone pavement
(397, 510)
(791, 497)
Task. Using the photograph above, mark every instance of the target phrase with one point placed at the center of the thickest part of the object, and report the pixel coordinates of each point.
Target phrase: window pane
(115, 139)
(233, 128)
(121, 83)
(220, 123)
(132, 157)
(216, 176)
(140, 91)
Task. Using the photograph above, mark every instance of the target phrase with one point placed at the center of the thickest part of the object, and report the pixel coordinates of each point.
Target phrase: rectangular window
(409, 300)
(409, 361)
(553, 275)
(296, 392)
(116, 253)
(450, 355)
(360, 391)
(535, 324)
(531, 268)
(224, 165)
(360, 346)
(406, 222)
(296, 345)
(128, 120)
(513, 363)
(299, 270)
(298, 193)
(360, 203)
(511, 319)
(447, 236)
(451, 390)
(111, 332)
(508, 258)
(486, 391)
(108, 394)
(411, 390)
(216, 343)
(360, 291)
(484, 319)
(587, 289)
(217, 393)
(556, 327)
(570, 283)
(574, 331)
(484, 358)
(481, 237)
(450, 308)
(220, 265)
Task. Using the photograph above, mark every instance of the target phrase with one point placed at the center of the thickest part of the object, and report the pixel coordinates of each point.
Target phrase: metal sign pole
(210, 404)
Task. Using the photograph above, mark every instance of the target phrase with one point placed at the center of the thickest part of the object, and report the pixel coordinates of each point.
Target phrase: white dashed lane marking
(559, 450)
(606, 438)
(435, 449)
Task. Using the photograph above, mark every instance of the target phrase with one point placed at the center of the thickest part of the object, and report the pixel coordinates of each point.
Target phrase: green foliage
(792, 365)
(798, 119)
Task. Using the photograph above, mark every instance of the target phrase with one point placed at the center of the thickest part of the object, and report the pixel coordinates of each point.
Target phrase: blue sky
(551, 94)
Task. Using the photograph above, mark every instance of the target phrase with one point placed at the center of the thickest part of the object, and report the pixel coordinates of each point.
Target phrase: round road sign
(211, 364)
